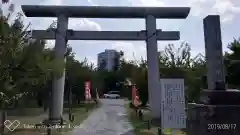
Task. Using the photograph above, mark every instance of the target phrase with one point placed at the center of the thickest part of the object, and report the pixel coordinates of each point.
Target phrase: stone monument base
(219, 115)
(213, 120)
(221, 97)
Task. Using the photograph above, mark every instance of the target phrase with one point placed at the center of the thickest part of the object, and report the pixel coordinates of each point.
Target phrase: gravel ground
(109, 119)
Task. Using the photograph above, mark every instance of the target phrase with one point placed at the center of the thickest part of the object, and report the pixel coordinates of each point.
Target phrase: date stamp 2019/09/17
(222, 126)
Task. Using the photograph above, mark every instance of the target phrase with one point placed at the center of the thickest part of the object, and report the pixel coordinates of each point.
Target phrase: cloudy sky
(191, 29)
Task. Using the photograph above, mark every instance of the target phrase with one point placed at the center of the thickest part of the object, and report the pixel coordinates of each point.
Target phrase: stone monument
(219, 115)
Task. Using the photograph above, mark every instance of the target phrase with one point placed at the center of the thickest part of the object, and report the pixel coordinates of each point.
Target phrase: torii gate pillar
(153, 67)
(56, 105)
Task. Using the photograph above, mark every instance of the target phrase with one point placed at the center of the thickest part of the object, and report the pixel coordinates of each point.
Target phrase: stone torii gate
(151, 35)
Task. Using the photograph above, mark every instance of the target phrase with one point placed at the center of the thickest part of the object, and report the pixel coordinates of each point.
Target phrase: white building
(107, 60)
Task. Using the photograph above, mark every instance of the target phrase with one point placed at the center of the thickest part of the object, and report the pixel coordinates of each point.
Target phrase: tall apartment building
(108, 60)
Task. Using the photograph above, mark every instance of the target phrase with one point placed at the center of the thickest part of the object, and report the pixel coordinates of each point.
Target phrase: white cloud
(225, 8)
(52, 2)
(227, 18)
(132, 51)
(92, 3)
(155, 3)
(196, 11)
(83, 24)
(200, 8)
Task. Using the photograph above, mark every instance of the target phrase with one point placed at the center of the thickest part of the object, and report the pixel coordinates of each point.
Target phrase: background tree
(232, 61)
(24, 64)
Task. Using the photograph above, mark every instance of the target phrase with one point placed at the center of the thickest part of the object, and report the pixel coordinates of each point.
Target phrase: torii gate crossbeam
(151, 36)
(106, 35)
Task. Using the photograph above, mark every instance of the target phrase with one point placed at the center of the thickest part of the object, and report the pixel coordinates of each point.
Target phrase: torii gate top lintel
(105, 11)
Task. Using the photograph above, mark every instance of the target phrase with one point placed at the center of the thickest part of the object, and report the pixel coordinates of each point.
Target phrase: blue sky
(191, 29)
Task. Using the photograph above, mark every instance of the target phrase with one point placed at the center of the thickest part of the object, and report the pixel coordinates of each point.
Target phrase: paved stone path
(110, 119)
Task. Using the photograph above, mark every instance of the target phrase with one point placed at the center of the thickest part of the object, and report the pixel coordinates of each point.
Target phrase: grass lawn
(140, 126)
(79, 113)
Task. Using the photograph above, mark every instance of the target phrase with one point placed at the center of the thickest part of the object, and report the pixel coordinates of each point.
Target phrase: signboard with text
(172, 103)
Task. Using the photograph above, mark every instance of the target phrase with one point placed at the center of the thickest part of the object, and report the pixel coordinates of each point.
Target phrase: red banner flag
(133, 94)
(135, 100)
(87, 90)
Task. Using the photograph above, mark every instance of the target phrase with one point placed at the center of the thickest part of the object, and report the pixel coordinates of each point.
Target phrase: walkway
(110, 119)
